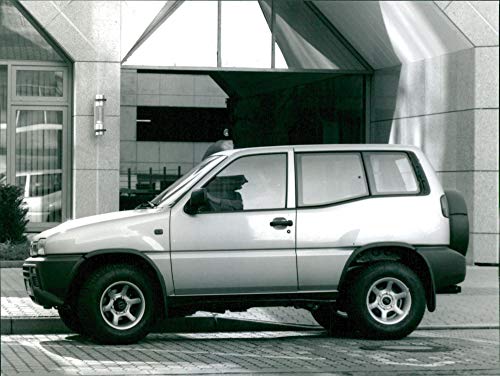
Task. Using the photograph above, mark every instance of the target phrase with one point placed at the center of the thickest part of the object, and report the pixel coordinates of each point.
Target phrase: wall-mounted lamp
(99, 129)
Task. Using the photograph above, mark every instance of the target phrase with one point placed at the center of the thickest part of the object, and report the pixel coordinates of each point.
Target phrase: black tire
(70, 319)
(405, 283)
(96, 291)
(334, 322)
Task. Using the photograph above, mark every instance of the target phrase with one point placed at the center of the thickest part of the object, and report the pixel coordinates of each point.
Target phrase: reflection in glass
(3, 123)
(19, 38)
(250, 183)
(326, 178)
(391, 173)
(39, 162)
(35, 83)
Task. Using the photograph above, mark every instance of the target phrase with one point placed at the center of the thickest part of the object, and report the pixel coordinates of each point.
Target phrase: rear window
(390, 173)
(327, 178)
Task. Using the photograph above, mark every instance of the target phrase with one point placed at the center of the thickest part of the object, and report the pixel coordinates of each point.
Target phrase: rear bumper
(47, 279)
(447, 266)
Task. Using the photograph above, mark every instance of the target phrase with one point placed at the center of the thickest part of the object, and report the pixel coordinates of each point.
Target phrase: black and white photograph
(249, 187)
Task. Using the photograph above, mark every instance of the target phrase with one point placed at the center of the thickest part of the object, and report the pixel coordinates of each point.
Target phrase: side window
(391, 173)
(249, 183)
(326, 178)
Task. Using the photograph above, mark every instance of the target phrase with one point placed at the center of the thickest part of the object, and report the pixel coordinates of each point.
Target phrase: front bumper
(47, 279)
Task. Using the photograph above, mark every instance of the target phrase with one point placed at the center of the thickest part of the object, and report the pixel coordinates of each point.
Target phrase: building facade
(176, 74)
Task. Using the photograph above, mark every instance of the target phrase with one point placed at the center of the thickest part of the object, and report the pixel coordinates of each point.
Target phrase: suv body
(357, 234)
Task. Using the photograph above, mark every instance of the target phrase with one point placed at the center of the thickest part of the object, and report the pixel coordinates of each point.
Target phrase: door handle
(281, 222)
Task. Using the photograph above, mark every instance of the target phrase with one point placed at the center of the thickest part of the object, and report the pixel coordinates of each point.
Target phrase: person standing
(225, 143)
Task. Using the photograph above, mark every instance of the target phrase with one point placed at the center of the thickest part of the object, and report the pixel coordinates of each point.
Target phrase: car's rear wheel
(334, 321)
(116, 304)
(387, 301)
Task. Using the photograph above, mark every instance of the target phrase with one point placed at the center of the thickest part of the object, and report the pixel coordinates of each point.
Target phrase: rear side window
(390, 173)
(327, 178)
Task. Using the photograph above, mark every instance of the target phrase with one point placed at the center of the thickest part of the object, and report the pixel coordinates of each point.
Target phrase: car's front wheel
(70, 319)
(115, 304)
(387, 301)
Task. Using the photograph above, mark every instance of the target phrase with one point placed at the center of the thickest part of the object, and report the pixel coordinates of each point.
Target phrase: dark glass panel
(181, 124)
(38, 83)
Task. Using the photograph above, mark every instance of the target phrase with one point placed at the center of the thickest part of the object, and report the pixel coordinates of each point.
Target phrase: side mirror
(197, 200)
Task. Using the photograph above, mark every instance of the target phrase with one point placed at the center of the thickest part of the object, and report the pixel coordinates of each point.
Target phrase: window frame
(296, 163)
(371, 176)
(222, 168)
(40, 99)
(66, 163)
(422, 181)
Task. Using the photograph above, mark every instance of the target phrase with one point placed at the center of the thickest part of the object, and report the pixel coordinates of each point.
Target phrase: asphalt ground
(438, 352)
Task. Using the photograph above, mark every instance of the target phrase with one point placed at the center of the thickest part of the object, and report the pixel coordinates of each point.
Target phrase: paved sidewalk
(424, 352)
(476, 306)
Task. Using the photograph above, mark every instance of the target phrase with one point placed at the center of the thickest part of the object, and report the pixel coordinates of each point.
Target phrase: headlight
(33, 249)
(41, 247)
(37, 248)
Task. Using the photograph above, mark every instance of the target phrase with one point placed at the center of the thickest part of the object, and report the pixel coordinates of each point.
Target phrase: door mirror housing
(198, 199)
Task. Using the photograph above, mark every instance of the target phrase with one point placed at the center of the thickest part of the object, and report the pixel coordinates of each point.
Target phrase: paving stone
(468, 352)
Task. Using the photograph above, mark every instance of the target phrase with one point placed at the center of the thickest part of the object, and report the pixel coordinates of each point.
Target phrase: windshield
(190, 176)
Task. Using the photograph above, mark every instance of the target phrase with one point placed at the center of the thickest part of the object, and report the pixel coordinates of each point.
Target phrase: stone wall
(448, 106)
(89, 32)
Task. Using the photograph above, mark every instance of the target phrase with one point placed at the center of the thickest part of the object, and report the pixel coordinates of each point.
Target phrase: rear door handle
(281, 222)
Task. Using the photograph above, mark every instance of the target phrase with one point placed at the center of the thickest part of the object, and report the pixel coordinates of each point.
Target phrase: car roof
(322, 147)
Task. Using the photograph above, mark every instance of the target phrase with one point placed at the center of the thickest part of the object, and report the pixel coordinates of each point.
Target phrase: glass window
(39, 83)
(391, 173)
(188, 37)
(19, 38)
(190, 176)
(3, 124)
(326, 178)
(249, 183)
(245, 35)
(39, 162)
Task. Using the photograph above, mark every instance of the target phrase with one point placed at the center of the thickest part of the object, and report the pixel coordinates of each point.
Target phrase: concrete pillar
(448, 106)
(89, 32)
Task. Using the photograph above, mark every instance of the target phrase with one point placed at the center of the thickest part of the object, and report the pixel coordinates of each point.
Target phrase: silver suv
(356, 234)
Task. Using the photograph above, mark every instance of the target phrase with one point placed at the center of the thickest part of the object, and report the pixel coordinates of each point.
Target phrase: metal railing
(138, 187)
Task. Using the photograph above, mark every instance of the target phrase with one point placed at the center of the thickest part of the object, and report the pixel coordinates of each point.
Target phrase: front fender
(90, 260)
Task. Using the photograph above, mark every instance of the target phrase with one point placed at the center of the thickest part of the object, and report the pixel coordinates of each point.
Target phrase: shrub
(10, 251)
(12, 214)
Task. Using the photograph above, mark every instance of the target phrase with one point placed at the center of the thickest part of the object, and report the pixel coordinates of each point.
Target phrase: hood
(92, 220)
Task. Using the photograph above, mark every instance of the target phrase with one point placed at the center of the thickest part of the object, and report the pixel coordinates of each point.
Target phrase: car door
(329, 215)
(243, 240)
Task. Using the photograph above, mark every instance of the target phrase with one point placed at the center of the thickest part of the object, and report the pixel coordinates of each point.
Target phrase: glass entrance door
(39, 161)
(3, 124)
